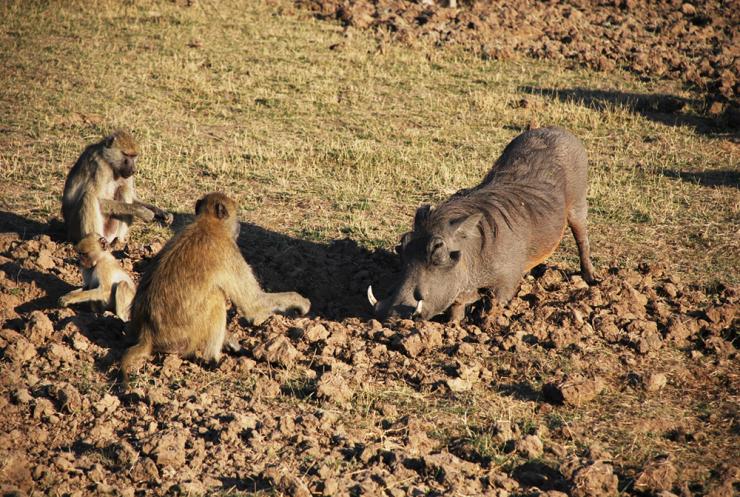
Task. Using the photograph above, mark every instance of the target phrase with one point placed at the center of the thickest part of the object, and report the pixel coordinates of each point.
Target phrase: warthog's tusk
(419, 305)
(370, 296)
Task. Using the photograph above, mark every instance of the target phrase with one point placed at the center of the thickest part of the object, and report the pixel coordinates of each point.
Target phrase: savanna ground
(329, 138)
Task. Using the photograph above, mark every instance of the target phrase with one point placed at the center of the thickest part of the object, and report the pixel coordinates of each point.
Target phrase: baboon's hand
(304, 305)
(146, 214)
(164, 217)
(231, 344)
(104, 243)
(63, 301)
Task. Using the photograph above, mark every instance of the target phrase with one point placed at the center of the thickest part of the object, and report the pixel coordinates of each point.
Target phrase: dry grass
(324, 143)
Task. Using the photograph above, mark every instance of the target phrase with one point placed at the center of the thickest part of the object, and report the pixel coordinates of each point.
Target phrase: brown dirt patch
(316, 406)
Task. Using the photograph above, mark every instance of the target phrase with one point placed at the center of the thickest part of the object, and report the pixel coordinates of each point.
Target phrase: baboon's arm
(287, 302)
(159, 215)
(118, 208)
(238, 283)
(78, 296)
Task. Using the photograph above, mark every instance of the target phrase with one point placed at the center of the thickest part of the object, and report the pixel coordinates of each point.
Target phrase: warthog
(490, 235)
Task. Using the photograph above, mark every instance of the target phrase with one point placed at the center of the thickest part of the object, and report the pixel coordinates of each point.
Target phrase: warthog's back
(546, 159)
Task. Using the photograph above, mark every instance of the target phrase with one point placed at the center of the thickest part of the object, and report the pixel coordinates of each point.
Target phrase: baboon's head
(90, 248)
(221, 208)
(121, 152)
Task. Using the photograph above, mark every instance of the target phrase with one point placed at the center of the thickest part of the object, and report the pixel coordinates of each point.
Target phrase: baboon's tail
(133, 356)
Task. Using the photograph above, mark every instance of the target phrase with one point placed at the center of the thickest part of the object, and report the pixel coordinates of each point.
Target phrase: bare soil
(693, 42)
(630, 385)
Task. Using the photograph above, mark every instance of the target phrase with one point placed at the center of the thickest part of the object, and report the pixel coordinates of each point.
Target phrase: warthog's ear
(405, 239)
(437, 252)
(422, 214)
(466, 227)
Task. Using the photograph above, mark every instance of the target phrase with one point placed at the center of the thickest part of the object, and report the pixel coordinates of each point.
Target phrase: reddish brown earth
(629, 385)
(694, 42)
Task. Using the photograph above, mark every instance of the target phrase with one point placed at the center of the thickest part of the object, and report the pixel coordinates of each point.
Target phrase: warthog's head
(436, 258)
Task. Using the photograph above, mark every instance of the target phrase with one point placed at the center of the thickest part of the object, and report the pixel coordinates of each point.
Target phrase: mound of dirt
(694, 42)
(307, 407)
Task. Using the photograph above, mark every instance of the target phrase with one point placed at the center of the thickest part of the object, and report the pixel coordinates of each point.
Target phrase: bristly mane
(519, 189)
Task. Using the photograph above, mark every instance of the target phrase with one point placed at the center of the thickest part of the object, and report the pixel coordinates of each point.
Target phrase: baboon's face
(128, 165)
(86, 261)
(121, 152)
(89, 249)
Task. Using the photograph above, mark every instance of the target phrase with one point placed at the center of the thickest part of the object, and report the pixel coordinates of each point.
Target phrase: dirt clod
(574, 390)
(595, 479)
(530, 446)
(332, 386)
(655, 381)
(658, 475)
(277, 350)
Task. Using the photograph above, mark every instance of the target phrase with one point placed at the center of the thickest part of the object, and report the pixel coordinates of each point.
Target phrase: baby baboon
(180, 306)
(99, 194)
(106, 284)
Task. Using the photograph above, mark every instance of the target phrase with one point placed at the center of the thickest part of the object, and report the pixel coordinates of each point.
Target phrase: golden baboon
(106, 285)
(99, 194)
(180, 306)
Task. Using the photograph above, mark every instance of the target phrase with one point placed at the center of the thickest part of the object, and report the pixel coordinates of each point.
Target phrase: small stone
(168, 449)
(61, 353)
(655, 381)
(530, 446)
(277, 350)
(688, 9)
(465, 349)
(597, 479)
(107, 404)
(659, 474)
(316, 332)
(332, 386)
(22, 396)
(458, 384)
(20, 351)
(412, 345)
(574, 390)
(39, 327)
(44, 260)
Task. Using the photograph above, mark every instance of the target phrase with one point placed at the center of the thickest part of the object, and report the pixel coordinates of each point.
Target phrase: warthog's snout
(384, 309)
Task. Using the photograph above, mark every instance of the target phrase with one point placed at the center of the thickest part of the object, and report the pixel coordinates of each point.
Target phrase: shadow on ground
(662, 108)
(334, 275)
(706, 178)
(28, 228)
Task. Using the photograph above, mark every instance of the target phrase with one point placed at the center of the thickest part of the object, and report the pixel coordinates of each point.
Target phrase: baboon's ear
(103, 243)
(221, 211)
(198, 203)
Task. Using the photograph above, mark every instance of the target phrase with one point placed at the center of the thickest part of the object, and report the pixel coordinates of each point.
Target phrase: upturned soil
(693, 42)
(630, 385)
